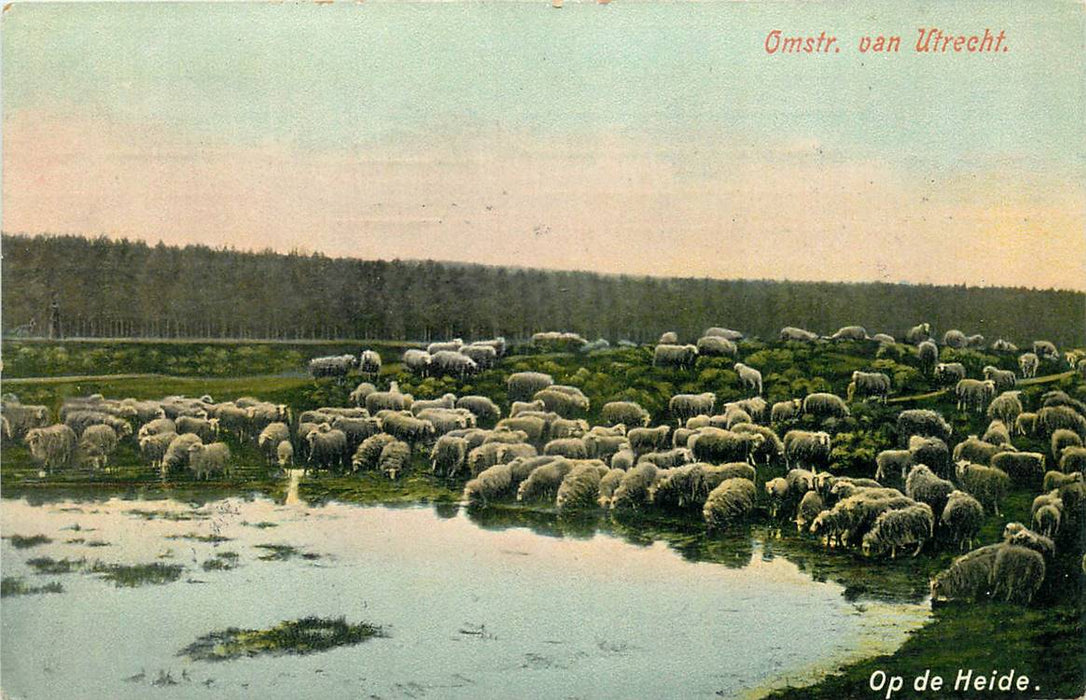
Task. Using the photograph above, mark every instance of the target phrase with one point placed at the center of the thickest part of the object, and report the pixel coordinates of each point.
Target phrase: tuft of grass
(262, 525)
(223, 561)
(305, 636)
(47, 565)
(13, 585)
(284, 552)
(26, 542)
(196, 537)
(126, 576)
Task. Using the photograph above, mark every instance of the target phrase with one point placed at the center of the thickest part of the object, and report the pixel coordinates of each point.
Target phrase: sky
(630, 137)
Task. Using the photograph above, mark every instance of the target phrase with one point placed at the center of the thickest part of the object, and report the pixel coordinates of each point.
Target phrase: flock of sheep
(539, 449)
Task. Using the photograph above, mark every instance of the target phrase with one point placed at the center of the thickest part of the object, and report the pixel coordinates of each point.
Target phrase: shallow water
(471, 611)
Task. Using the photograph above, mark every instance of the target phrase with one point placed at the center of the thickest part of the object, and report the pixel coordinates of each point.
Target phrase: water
(471, 611)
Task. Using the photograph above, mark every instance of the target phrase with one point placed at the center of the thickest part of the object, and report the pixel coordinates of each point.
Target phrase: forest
(129, 289)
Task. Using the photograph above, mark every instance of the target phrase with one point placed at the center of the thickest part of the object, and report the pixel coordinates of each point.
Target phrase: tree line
(123, 288)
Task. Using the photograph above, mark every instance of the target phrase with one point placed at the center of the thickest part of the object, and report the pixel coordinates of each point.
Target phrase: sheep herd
(714, 460)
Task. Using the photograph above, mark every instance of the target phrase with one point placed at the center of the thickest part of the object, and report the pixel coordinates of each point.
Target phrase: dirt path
(1021, 382)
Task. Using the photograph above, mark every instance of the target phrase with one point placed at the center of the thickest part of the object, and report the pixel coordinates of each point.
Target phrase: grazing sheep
(918, 334)
(485, 410)
(270, 437)
(485, 456)
(850, 333)
(726, 333)
(932, 452)
(749, 377)
(884, 339)
(1006, 407)
(975, 341)
(1046, 520)
(484, 356)
(717, 446)
(801, 335)
(523, 385)
(567, 402)
(1001, 345)
(1052, 418)
(1020, 466)
(1051, 497)
(676, 356)
(80, 420)
(668, 338)
(453, 345)
(497, 343)
(955, 339)
(891, 462)
(1057, 480)
(1073, 459)
(949, 372)
(336, 366)
(623, 459)
(153, 448)
(924, 486)
(519, 407)
(417, 362)
(206, 428)
(1017, 574)
(1019, 535)
(567, 428)
(974, 394)
(157, 425)
(679, 487)
(98, 442)
(865, 385)
(715, 346)
(1057, 397)
(449, 363)
(448, 455)
(544, 481)
(897, 528)
(997, 433)
(810, 506)
(776, 491)
(632, 492)
(969, 576)
(604, 446)
(1025, 423)
(284, 454)
(395, 459)
(685, 406)
(367, 455)
(731, 501)
(53, 446)
(806, 449)
(784, 411)
(853, 516)
(1027, 365)
(732, 417)
(580, 488)
(205, 460)
(177, 453)
(624, 412)
(327, 448)
(23, 417)
(388, 401)
(771, 448)
(608, 483)
(668, 459)
(963, 516)
(1045, 350)
(446, 420)
(535, 428)
(446, 401)
(492, 483)
(924, 422)
(927, 354)
(570, 448)
(408, 428)
(1004, 378)
(356, 429)
(359, 393)
(644, 440)
(987, 484)
(822, 405)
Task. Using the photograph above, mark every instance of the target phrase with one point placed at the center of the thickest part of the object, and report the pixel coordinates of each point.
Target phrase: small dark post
(54, 320)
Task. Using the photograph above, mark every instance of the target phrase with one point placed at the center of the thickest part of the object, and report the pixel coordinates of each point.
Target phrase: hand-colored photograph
(543, 349)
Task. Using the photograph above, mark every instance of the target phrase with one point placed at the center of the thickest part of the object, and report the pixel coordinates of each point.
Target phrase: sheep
(810, 506)
(522, 386)
(924, 422)
(679, 487)
(726, 333)
(78, 421)
(955, 339)
(447, 420)
(1052, 418)
(206, 428)
(557, 341)
(492, 483)
(99, 441)
(264, 412)
(924, 486)
(730, 501)
(420, 405)
(866, 385)
(1017, 574)
(485, 456)
(897, 528)
(918, 334)
(732, 417)
(1027, 365)
(1050, 498)
(359, 393)
(544, 481)
(604, 446)
(270, 437)
(53, 446)
(822, 405)
(1006, 407)
(567, 402)
(497, 343)
(987, 484)
(927, 355)
(1001, 345)
(1020, 466)
(790, 333)
(356, 429)
(784, 411)
(963, 516)
(1056, 480)
(1045, 350)
(684, 406)
(997, 433)
(535, 428)
(853, 516)
(233, 419)
(776, 490)
(417, 362)
(567, 428)
(395, 459)
(1046, 520)
(1073, 459)
(622, 459)
(805, 448)
(668, 338)
(632, 493)
(891, 462)
(624, 412)
(1057, 397)
(843, 487)
(484, 356)
(408, 428)
(570, 448)
(648, 439)
(884, 339)
(755, 406)
(969, 576)
(205, 460)
(177, 453)
(485, 410)
(453, 345)
(715, 346)
(327, 448)
(771, 448)
(580, 488)
(749, 377)
(337, 366)
(718, 446)
(153, 447)
(676, 356)
(668, 458)
(974, 394)
(448, 455)
(975, 341)
(608, 483)
(23, 417)
(453, 364)
(519, 407)
(930, 451)
(850, 333)
(367, 454)
(1025, 423)
(284, 454)
(949, 372)
(1004, 378)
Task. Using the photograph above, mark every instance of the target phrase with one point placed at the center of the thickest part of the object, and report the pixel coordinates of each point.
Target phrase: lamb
(997, 433)
(337, 366)
(570, 448)
(644, 440)
(684, 406)
(776, 490)
(452, 364)
(327, 448)
(955, 339)
(54, 447)
(367, 455)
(924, 422)
(987, 484)
(632, 492)
(1027, 365)
(522, 386)
(784, 411)
(676, 356)
(891, 462)
(1006, 407)
(918, 334)
(270, 437)
(749, 377)
(446, 401)
(1020, 466)
(718, 446)
(485, 410)
(866, 385)
(205, 460)
(949, 372)
(1052, 418)
(492, 483)
(823, 405)
(543, 483)
(567, 402)
(810, 506)
(484, 356)
(580, 488)
(715, 346)
(726, 333)
(1073, 459)
(101, 441)
(395, 459)
(731, 501)
(807, 449)
(448, 455)
(1004, 378)
(963, 516)
(408, 428)
(850, 333)
(1045, 350)
(790, 333)
(924, 486)
(417, 362)
(624, 412)
(927, 355)
(898, 528)
(153, 447)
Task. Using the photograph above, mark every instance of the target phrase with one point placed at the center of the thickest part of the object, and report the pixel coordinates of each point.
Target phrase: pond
(469, 611)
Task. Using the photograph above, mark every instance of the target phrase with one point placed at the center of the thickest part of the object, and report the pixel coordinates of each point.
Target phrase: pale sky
(646, 139)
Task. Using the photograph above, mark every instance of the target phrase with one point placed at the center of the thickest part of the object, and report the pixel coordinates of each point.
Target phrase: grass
(13, 586)
(48, 565)
(222, 561)
(129, 576)
(21, 542)
(308, 635)
(284, 552)
(197, 537)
